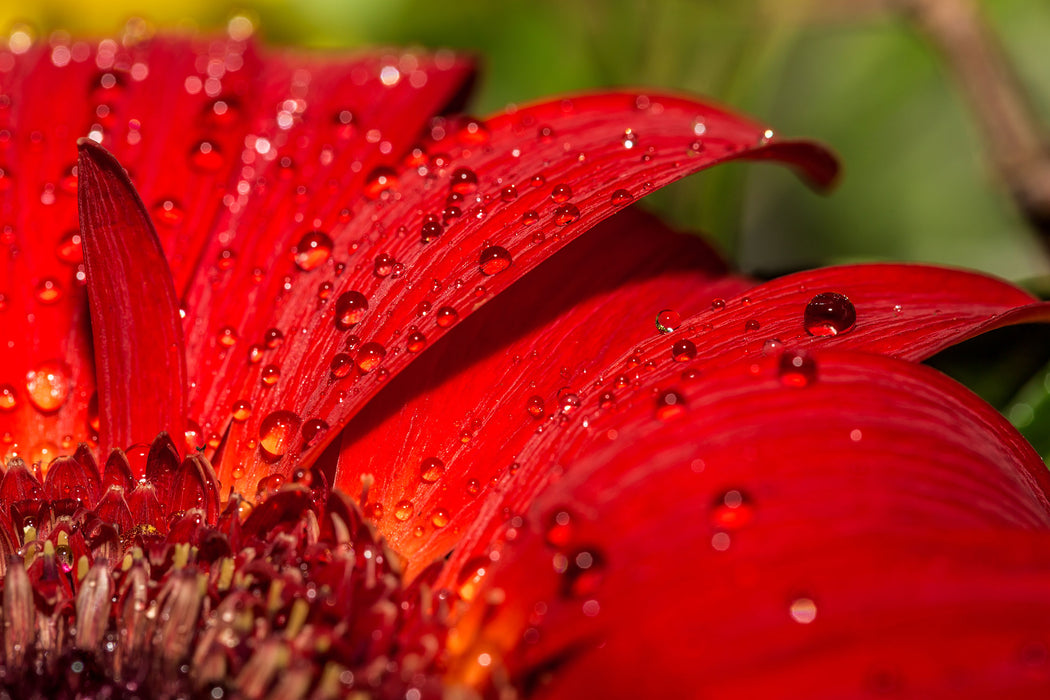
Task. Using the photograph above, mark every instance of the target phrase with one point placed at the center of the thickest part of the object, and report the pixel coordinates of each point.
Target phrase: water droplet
(508, 193)
(534, 405)
(374, 511)
(494, 259)
(168, 212)
(255, 353)
(431, 469)
(566, 214)
(446, 316)
(206, 156)
(270, 374)
(683, 351)
(669, 405)
(440, 518)
(732, 510)
(751, 325)
(8, 398)
(312, 250)
(559, 529)
(430, 229)
(463, 181)
(668, 320)
(241, 411)
(48, 291)
(583, 572)
(273, 338)
(48, 386)
(369, 356)
(350, 308)
(472, 132)
(829, 313)
(621, 197)
(227, 337)
(404, 510)
(313, 429)
(567, 400)
(379, 181)
(803, 610)
(473, 487)
(341, 365)
(797, 369)
(718, 304)
(276, 433)
(772, 347)
(630, 139)
(529, 217)
(71, 248)
(561, 193)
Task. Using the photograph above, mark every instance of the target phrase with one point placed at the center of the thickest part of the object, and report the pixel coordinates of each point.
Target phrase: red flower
(759, 492)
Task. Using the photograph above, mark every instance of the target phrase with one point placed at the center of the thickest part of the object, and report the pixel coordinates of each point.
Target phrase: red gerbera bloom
(760, 491)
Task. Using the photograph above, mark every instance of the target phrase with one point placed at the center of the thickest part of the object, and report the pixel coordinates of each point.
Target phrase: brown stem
(1016, 142)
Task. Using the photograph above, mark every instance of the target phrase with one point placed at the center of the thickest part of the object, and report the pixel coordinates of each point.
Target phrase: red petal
(525, 163)
(466, 402)
(885, 500)
(135, 320)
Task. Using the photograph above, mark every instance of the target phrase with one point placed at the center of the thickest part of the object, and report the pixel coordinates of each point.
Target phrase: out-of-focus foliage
(848, 72)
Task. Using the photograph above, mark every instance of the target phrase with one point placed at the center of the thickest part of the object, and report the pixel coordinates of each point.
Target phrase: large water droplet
(430, 229)
(829, 313)
(431, 469)
(276, 433)
(566, 214)
(439, 518)
(621, 197)
(446, 316)
(561, 193)
(404, 510)
(463, 181)
(683, 350)
(797, 369)
(312, 250)
(241, 411)
(668, 320)
(350, 308)
(369, 356)
(47, 386)
(494, 259)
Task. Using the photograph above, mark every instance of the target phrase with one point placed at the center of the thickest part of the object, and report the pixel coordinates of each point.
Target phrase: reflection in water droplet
(718, 304)
(277, 431)
(350, 308)
(494, 259)
(431, 469)
(270, 374)
(797, 369)
(71, 248)
(530, 217)
(48, 386)
(683, 350)
(731, 510)
(668, 320)
(829, 313)
(48, 291)
(312, 250)
(313, 429)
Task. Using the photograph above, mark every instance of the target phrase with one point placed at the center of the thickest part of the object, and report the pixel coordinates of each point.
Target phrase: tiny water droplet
(276, 432)
(668, 320)
(829, 313)
(566, 214)
(669, 405)
(473, 487)
(431, 469)
(683, 350)
(312, 250)
(797, 369)
(350, 308)
(369, 356)
(494, 259)
(732, 509)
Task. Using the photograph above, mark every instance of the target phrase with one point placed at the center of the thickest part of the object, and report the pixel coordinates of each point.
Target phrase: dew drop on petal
(463, 181)
(829, 313)
(48, 291)
(494, 259)
(567, 400)
(446, 316)
(8, 398)
(534, 405)
(583, 573)
(668, 320)
(430, 229)
(683, 350)
(404, 510)
(415, 342)
(241, 411)
(312, 250)
(797, 369)
(168, 212)
(270, 374)
(718, 304)
(561, 193)
(431, 469)
(48, 386)
(508, 193)
(379, 181)
(439, 518)
(313, 429)
(350, 308)
(71, 248)
(206, 156)
(669, 405)
(621, 197)
(277, 431)
(732, 509)
(369, 356)
(803, 610)
(566, 214)
(559, 529)
(341, 365)
(529, 217)
(772, 347)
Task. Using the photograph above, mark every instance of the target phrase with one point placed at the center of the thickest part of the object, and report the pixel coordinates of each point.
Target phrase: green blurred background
(851, 73)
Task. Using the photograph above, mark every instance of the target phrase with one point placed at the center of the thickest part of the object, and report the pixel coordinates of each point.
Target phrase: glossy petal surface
(771, 536)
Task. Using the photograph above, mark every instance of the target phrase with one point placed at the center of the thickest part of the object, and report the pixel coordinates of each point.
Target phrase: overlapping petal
(874, 528)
